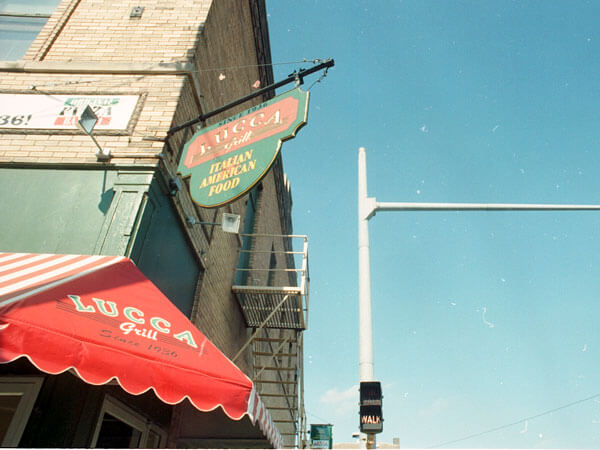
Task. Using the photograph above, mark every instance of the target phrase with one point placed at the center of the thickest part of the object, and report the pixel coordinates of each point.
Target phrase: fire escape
(272, 289)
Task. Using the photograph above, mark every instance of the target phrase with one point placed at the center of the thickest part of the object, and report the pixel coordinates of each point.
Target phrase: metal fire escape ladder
(273, 295)
(276, 374)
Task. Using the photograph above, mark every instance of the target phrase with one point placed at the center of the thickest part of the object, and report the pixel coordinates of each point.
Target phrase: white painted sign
(48, 111)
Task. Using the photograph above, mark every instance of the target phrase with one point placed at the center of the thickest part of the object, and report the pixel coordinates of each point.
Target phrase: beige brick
(102, 32)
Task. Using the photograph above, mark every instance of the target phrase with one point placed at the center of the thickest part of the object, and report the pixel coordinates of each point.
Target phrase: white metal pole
(367, 207)
(365, 324)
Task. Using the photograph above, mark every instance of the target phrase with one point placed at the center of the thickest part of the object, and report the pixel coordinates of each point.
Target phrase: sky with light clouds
(485, 324)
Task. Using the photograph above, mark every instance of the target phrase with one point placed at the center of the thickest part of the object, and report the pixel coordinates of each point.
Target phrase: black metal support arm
(296, 76)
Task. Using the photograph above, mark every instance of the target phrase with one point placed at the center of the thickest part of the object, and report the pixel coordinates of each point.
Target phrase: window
(241, 277)
(20, 23)
(17, 397)
(120, 427)
(272, 265)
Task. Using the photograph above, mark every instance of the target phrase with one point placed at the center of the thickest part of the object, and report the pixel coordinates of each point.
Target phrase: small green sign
(225, 160)
(321, 436)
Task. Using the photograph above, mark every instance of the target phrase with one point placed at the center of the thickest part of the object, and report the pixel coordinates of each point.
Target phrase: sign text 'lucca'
(226, 160)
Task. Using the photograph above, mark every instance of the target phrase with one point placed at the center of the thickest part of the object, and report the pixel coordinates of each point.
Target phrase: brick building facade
(170, 61)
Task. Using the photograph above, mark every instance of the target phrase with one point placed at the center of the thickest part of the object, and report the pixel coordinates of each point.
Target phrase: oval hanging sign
(225, 160)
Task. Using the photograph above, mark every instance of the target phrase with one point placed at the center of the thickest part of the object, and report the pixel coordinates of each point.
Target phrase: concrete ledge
(84, 67)
(185, 68)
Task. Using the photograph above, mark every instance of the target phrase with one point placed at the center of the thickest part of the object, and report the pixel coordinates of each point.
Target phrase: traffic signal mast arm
(372, 206)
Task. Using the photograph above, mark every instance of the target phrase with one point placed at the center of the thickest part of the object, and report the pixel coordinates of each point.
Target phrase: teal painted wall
(105, 212)
(241, 277)
(53, 211)
(162, 252)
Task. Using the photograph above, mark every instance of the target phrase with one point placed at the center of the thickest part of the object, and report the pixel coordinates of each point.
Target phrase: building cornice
(102, 68)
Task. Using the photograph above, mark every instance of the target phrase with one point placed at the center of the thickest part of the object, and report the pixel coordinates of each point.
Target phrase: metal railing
(272, 283)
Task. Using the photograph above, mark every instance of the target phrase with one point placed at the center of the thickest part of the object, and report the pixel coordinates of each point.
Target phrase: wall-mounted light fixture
(136, 12)
(230, 223)
(174, 186)
(86, 123)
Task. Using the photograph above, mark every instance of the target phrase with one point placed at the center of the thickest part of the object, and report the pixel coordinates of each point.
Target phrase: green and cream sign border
(226, 160)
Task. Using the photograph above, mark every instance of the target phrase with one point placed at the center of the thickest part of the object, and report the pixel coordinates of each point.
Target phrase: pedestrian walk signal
(371, 416)
(371, 420)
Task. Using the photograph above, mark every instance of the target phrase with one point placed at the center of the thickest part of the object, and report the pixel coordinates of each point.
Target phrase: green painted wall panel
(125, 208)
(99, 212)
(53, 211)
(162, 252)
(130, 193)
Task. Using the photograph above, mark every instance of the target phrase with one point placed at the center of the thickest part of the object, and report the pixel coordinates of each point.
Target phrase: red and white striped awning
(100, 317)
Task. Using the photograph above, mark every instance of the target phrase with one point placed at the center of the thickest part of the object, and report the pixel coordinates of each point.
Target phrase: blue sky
(481, 320)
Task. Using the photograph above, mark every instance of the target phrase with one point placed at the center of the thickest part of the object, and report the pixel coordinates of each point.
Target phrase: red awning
(102, 318)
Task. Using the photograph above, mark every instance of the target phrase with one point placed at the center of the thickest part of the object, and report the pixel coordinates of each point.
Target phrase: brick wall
(183, 58)
(103, 31)
(166, 57)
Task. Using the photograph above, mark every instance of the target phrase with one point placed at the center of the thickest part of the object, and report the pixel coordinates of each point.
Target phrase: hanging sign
(61, 112)
(225, 160)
